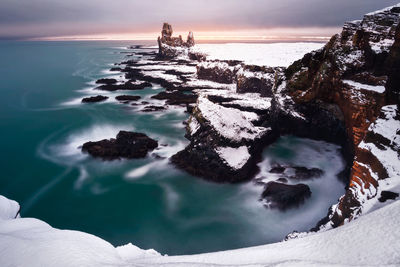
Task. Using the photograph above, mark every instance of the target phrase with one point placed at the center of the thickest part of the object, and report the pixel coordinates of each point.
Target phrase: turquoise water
(146, 202)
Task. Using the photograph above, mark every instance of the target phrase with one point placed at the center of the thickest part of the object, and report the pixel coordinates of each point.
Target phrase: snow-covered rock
(9, 209)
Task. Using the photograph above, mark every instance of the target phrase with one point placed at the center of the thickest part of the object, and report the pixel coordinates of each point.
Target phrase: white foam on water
(72, 102)
(83, 176)
(141, 171)
(71, 147)
(171, 197)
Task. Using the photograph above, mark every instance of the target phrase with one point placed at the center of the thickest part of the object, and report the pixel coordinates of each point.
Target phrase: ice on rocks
(234, 157)
(359, 86)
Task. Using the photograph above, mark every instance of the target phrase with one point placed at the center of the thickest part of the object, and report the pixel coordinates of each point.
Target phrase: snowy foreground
(31, 242)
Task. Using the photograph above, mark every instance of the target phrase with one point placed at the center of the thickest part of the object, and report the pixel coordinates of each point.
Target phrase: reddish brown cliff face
(356, 71)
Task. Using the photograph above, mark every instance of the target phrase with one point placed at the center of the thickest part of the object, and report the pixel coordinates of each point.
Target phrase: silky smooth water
(146, 202)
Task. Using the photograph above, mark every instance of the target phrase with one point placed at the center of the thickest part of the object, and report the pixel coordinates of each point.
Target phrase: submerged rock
(277, 169)
(152, 108)
(106, 81)
(303, 173)
(126, 145)
(125, 86)
(127, 98)
(94, 99)
(284, 196)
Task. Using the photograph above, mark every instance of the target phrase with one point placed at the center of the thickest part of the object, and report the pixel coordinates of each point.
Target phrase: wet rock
(125, 86)
(176, 97)
(282, 180)
(127, 98)
(126, 145)
(152, 108)
(106, 81)
(116, 69)
(386, 195)
(277, 169)
(94, 99)
(203, 161)
(283, 196)
(303, 173)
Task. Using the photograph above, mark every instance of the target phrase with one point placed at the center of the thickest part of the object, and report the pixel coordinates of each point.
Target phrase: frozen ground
(273, 55)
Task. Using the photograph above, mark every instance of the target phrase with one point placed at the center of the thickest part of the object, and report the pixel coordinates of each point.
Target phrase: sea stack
(169, 46)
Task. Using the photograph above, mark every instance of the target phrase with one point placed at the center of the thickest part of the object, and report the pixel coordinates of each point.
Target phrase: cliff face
(347, 93)
(358, 70)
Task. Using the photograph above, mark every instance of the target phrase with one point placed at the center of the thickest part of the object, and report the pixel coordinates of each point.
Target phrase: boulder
(285, 196)
(152, 108)
(106, 81)
(125, 86)
(386, 195)
(277, 169)
(127, 98)
(94, 99)
(126, 145)
(303, 173)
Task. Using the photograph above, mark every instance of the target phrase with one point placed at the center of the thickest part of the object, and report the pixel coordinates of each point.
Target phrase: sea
(146, 202)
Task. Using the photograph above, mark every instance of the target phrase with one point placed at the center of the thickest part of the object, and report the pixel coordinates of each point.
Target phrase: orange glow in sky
(283, 34)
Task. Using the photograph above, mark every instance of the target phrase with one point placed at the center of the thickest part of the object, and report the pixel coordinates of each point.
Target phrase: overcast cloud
(41, 18)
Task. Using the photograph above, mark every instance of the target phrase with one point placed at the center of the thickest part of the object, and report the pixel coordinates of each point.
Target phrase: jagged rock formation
(126, 145)
(355, 71)
(169, 46)
(347, 93)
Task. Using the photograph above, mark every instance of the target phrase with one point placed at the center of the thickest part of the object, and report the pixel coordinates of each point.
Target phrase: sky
(209, 19)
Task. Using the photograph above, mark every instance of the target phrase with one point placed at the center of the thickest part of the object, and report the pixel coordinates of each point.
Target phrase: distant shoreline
(197, 41)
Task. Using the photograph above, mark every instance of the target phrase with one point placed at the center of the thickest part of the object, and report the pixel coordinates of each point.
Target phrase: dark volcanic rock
(284, 196)
(106, 81)
(176, 97)
(116, 69)
(303, 173)
(167, 43)
(127, 98)
(153, 108)
(217, 71)
(282, 180)
(203, 161)
(125, 86)
(94, 99)
(126, 145)
(386, 195)
(277, 169)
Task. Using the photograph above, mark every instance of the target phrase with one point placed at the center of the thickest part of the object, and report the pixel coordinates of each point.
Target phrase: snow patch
(359, 86)
(273, 55)
(234, 157)
(230, 123)
(9, 209)
(194, 125)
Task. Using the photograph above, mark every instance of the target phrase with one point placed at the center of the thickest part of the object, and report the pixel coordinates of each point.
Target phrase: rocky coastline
(346, 93)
